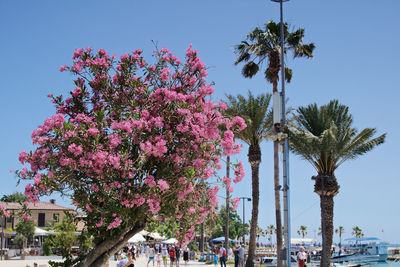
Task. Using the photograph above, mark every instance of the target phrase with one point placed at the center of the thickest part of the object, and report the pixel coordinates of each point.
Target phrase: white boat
(362, 251)
(271, 261)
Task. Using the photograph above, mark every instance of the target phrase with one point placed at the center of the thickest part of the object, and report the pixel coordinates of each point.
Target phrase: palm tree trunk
(277, 205)
(228, 159)
(330, 189)
(254, 213)
(328, 203)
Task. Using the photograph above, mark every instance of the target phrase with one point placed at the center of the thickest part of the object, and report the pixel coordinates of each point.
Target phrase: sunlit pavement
(43, 262)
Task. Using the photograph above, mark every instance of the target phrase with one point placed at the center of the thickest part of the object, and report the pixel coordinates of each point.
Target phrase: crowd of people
(157, 255)
(220, 254)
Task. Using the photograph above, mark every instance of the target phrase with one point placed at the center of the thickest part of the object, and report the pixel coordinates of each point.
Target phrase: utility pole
(244, 238)
(285, 169)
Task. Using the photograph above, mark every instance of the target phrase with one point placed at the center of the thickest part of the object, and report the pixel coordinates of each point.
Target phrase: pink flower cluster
(148, 138)
(235, 202)
(239, 172)
(117, 221)
(4, 212)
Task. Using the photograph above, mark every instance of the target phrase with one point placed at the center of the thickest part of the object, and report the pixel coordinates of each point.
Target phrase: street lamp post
(285, 169)
(248, 199)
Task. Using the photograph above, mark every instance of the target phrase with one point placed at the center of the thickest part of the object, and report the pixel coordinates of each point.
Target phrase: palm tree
(324, 136)
(270, 231)
(258, 117)
(260, 233)
(340, 231)
(357, 232)
(302, 231)
(261, 46)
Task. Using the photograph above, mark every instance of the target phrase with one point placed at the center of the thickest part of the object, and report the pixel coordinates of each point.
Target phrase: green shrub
(47, 249)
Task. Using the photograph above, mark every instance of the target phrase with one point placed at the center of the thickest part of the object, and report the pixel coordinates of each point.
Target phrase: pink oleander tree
(132, 141)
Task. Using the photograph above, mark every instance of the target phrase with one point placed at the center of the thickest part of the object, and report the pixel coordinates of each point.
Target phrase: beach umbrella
(170, 241)
(221, 239)
(156, 236)
(136, 238)
(40, 232)
(144, 233)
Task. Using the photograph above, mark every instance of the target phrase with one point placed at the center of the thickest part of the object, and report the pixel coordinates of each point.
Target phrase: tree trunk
(255, 160)
(330, 190)
(102, 251)
(328, 201)
(228, 159)
(277, 205)
(202, 237)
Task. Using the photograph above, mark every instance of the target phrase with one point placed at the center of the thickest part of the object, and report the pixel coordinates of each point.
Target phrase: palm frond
(250, 69)
(255, 111)
(324, 136)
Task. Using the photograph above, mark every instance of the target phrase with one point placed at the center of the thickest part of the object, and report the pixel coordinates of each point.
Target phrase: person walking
(159, 259)
(236, 256)
(177, 255)
(151, 255)
(164, 254)
(301, 257)
(172, 255)
(222, 256)
(215, 258)
(241, 256)
(186, 256)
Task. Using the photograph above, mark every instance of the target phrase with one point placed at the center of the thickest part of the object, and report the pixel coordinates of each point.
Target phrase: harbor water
(388, 264)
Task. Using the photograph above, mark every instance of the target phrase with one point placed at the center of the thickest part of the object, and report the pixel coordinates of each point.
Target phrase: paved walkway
(42, 262)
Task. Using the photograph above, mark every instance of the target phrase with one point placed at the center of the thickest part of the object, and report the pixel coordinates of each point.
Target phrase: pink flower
(115, 140)
(117, 222)
(236, 202)
(222, 105)
(23, 156)
(228, 142)
(150, 181)
(154, 205)
(23, 172)
(191, 210)
(162, 184)
(164, 74)
(239, 172)
(37, 179)
(4, 211)
(239, 122)
(100, 223)
(115, 161)
(73, 148)
(77, 92)
(208, 173)
(77, 53)
(227, 181)
(11, 170)
(63, 68)
(88, 208)
(93, 131)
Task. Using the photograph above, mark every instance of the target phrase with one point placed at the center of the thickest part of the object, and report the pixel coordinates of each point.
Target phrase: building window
(41, 220)
(56, 217)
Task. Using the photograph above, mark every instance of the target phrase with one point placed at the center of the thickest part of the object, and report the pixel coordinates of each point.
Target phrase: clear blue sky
(356, 61)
